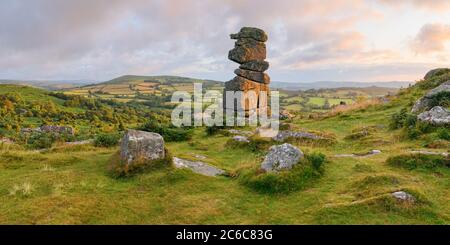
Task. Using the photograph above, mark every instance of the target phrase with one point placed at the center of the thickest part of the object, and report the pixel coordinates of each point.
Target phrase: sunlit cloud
(308, 40)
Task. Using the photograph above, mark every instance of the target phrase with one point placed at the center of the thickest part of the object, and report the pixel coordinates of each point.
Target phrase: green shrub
(41, 140)
(213, 130)
(412, 128)
(299, 177)
(440, 99)
(106, 140)
(317, 160)
(443, 133)
(177, 134)
(168, 131)
(398, 119)
(414, 161)
(257, 144)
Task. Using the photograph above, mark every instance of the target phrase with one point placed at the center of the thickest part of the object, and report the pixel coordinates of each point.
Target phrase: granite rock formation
(250, 53)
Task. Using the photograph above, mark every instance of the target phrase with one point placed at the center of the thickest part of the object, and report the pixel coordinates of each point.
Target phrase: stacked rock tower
(250, 52)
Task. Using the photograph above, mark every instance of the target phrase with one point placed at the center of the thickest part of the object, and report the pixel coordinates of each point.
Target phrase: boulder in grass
(438, 116)
(141, 146)
(240, 138)
(403, 196)
(281, 157)
(425, 102)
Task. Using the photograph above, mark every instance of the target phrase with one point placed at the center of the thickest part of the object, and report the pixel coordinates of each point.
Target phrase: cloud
(50, 39)
(432, 5)
(431, 38)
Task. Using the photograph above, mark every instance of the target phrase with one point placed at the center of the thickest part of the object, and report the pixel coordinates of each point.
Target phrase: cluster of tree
(99, 115)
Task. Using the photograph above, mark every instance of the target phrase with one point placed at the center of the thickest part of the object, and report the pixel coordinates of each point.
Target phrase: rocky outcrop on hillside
(284, 135)
(435, 72)
(437, 116)
(425, 102)
(281, 157)
(140, 146)
(250, 52)
(50, 129)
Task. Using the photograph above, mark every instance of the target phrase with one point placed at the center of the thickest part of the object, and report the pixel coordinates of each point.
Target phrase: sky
(309, 40)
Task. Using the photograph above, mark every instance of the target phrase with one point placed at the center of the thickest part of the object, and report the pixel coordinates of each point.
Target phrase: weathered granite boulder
(246, 50)
(57, 129)
(255, 65)
(198, 167)
(424, 103)
(256, 76)
(434, 72)
(141, 146)
(250, 32)
(436, 116)
(281, 157)
(403, 196)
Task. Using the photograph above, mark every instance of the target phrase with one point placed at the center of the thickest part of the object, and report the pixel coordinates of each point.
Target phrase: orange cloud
(431, 38)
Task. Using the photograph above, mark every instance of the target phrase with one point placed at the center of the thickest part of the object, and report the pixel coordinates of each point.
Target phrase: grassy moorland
(71, 184)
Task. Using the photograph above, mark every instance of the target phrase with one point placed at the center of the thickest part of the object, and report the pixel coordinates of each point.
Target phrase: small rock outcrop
(141, 146)
(281, 157)
(57, 129)
(424, 103)
(241, 138)
(250, 52)
(403, 196)
(284, 135)
(197, 167)
(434, 72)
(369, 153)
(437, 116)
(50, 129)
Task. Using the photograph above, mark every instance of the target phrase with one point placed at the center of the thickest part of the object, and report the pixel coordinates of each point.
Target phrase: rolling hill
(128, 86)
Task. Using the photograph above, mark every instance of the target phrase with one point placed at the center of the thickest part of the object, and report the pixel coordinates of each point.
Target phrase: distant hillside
(338, 84)
(132, 87)
(161, 79)
(49, 84)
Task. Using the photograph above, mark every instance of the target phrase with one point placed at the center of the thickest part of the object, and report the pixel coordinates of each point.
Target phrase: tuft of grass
(375, 184)
(284, 182)
(421, 161)
(361, 167)
(257, 144)
(25, 189)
